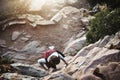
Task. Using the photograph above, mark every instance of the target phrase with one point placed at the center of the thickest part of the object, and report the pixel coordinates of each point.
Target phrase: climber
(51, 58)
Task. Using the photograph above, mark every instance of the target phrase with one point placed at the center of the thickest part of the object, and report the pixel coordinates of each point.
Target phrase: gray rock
(80, 34)
(24, 38)
(118, 34)
(90, 77)
(60, 76)
(104, 57)
(40, 49)
(94, 55)
(111, 71)
(13, 22)
(2, 42)
(42, 23)
(85, 20)
(14, 56)
(85, 50)
(9, 54)
(104, 41)
(34, 18)
(29, 70)
(19, 57)
(56, 18)
(28, 36)
(45, 22)
(15, 35)
(16, 22)
(75, 46)
(114, 43)
(64, 13)
(31, 47)
(38, 20)
(16, 76)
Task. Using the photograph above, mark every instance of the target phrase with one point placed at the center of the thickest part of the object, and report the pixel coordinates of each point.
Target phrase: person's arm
(62, 58)
(43, 66)
(60, 53)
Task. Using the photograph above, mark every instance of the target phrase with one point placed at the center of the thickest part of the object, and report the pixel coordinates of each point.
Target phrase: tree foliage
(105, 23)
(110, 3)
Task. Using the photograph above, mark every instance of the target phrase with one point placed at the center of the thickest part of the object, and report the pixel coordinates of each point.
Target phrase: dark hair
(55, 60)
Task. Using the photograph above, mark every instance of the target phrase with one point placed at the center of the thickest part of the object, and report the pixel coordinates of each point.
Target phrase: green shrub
(110, 3)
(5, 60)
(105, 23)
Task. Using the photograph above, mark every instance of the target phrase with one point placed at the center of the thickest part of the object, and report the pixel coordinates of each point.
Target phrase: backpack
(48, 53)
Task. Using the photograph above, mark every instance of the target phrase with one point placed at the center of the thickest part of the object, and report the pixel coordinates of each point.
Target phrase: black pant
(49, 65)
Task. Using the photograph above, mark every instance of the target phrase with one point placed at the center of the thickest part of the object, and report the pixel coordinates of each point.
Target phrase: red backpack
(48, 53)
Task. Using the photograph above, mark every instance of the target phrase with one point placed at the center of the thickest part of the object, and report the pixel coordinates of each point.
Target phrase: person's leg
(54, 68)
(42, 61)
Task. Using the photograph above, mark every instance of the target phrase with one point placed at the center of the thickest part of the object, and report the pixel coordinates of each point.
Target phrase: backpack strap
(60, 53)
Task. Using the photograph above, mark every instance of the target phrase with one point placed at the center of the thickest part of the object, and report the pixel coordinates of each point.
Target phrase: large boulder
(90, 77)
(16, 76)
(36, 20)
(94, 55)
(68, 17)
(2, 42)
(65, 12)
(105, 40)
(29, 70)
(49, 8)
(59, 76)
(15, 35)
(114, 43)
(11, 21)
(31, 47)
(75, 46)
(103, 57)
(111, 71)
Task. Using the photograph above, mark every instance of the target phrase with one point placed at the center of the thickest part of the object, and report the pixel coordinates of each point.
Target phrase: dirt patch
(48, 35)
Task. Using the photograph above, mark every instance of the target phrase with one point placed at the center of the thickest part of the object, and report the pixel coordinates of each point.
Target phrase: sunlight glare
(36, 4)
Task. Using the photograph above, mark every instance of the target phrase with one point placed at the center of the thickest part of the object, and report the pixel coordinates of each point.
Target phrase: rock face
(90, 62)
(15, 76)
(29, 70)
(59, 76)
(100, 53)
(2, 42)
(52, 7)
(90, 77)
(70, 16)
(111, 71)
(31, 47)
(75, 45)
(73, 16)
(96, 62)
(67, 22)
(28, 54)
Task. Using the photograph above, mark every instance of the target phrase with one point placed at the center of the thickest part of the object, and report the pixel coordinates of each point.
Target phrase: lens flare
(36, 4)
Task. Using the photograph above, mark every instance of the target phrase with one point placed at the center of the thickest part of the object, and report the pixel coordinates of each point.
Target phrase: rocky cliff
(25, 37)
(98, 61)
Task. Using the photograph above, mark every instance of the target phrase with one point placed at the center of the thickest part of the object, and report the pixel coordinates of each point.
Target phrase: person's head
(54, 60)
(51, 47)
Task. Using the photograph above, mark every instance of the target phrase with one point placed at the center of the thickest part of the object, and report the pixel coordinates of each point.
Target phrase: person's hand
(66, 64)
